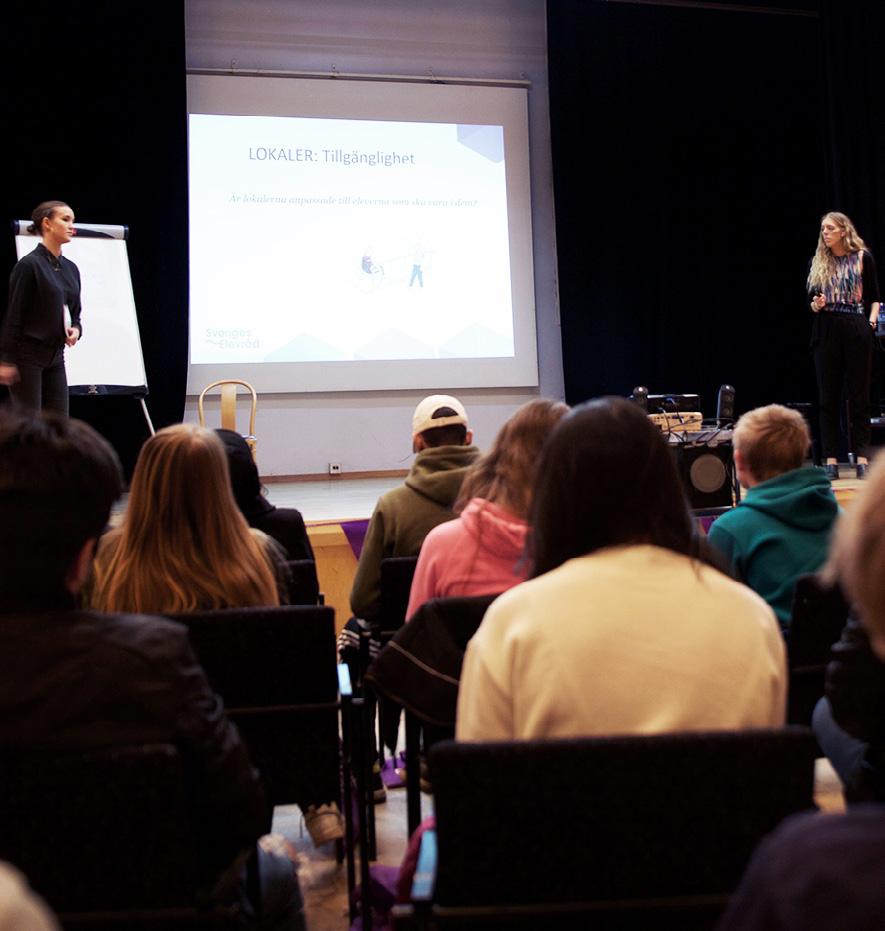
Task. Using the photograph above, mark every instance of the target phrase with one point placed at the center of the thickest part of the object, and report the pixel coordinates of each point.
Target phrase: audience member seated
(482, 552)
(620, 630)
(74, 680)
(285, 525)
(825, 871)
(849, 722)
(183, 544)
(404, 516)
(782, 527)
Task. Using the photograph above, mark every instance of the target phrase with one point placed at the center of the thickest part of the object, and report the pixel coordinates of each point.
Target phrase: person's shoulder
(809, 840)
(742, 601)
(394, 496)
(27, 263)
(285, 516)
(134, 628)
(446, 533)
(728, 520)
(67, 263)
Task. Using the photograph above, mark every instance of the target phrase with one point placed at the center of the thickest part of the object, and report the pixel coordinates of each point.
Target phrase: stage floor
(333, 499)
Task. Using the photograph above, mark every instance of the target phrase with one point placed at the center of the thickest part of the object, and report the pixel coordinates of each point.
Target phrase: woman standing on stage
(844, 294)
(43, 314)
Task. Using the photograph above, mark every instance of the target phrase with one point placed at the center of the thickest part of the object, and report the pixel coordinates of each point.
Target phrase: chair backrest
(611, 819)
(818, 616)
(304, 586)
(421, 667)
(100, 832)
(397, 573)
(228, 388)
(275, 669)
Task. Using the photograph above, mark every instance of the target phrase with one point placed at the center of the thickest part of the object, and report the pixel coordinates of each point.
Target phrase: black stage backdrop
(690, 175)
(94, 112)
(852, 32)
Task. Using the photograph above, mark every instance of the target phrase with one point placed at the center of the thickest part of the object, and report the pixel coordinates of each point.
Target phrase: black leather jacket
(72, 680)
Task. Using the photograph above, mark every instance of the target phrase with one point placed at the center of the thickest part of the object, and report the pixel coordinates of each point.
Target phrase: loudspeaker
(707, 472)
(725, 406)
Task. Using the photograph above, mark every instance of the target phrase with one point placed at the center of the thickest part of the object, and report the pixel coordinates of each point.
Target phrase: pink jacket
(479, 553)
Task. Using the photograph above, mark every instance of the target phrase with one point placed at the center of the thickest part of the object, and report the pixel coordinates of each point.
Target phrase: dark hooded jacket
(781, 530)
(405, 515)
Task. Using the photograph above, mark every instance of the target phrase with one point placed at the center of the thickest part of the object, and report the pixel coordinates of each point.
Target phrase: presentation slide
(332, 253)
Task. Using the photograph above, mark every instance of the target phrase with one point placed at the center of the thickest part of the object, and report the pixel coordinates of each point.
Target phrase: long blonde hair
(183, 544)
(505, 474)
(823, 264)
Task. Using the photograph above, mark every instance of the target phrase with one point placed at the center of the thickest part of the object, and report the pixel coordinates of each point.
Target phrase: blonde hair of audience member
(769, 441)
(505, 474)
(183, 544)
(857, 555)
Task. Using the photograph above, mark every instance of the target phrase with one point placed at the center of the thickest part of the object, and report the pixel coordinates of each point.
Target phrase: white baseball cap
(425, 417)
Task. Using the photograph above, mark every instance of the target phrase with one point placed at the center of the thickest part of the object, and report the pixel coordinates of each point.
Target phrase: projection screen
(350, 235)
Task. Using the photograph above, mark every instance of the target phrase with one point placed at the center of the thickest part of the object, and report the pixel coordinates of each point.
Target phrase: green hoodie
(781, 530)
(405, 515)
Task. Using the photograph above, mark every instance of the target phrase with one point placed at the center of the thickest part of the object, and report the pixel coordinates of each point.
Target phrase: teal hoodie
(781, 530)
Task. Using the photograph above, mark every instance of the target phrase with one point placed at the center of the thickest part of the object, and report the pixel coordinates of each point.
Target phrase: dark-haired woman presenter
(844, 293)
(43, 314)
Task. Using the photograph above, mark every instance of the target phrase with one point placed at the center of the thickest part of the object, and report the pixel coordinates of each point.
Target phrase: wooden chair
(105, 837)
(420, 670)
(228, 388)
(276, 670)
(818, 616)
(304, 586)
(642, 832)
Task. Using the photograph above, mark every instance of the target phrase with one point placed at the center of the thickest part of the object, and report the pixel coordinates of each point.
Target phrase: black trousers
(842, 346)
(43, 383)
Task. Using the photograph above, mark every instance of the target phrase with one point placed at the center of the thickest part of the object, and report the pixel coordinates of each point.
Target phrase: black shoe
(832, 470)
(862, 469)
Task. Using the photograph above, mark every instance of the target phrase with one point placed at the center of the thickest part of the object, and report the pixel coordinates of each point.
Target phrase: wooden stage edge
(336, 562)
(340, 477)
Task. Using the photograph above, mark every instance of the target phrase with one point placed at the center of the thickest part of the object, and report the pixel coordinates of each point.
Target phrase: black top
(39, 287)
(285, 525)
(815, 873)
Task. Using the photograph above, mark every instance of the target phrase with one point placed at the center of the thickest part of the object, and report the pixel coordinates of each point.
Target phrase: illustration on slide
(418, 259)
(372, 268)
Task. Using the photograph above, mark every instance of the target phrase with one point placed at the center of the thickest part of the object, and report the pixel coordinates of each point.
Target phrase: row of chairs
(627, 832)
(819, 614)
(290, 702)
(106, 838)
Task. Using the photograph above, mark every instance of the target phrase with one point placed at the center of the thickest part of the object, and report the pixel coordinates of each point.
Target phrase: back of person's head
(58, 482)
(772, 440)
(440, 420)
(857, 554)
(243, 471)
(505, 474)
(184, 545)
(606, 478)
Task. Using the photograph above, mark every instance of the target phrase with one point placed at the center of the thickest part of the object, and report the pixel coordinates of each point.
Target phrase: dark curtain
(689, 173)
(94, 111)
(853, 32)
